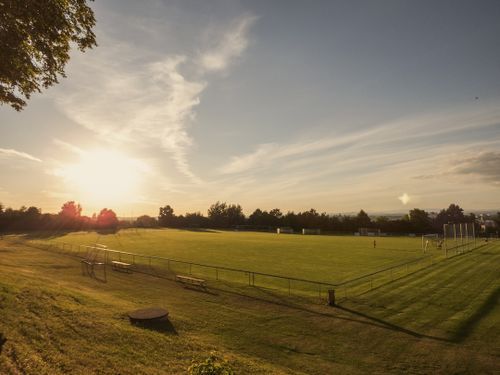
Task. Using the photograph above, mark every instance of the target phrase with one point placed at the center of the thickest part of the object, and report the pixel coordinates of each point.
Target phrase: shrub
(212, 365)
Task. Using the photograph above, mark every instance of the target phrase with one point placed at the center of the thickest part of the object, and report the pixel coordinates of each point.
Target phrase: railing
(365, 283)
(168, 268)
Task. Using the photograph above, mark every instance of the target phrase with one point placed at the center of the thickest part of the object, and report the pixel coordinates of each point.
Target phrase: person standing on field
(374, 244)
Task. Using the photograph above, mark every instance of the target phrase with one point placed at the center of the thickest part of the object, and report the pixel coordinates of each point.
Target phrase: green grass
(443, 319)
(322, 258)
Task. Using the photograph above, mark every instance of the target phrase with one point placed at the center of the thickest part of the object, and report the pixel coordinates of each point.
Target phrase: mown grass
(443, 319)
(321, 258)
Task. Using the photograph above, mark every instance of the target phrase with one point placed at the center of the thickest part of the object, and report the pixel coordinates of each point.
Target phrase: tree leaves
(35, 41)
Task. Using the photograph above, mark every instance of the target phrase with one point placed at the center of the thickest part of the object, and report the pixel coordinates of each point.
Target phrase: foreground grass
(321, 258)
(444, 319)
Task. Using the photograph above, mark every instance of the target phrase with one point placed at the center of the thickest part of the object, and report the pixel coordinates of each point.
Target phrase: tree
(35, 40)
(166, 217)
(363, 220)
(453, 214)
(71, 210)
(216, 214)
(419, 220)
(223, 215)
(107, 219)
(146, 221)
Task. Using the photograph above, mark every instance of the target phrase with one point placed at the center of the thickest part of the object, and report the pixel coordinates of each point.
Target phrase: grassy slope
(444, 319)
(322, 258)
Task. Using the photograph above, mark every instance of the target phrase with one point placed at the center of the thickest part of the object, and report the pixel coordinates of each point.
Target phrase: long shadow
(2, 341)
(367, 320)
(45, 234)
(162, 325)
(466, 328)
(390, 325)
(201, 230)
(199, 289)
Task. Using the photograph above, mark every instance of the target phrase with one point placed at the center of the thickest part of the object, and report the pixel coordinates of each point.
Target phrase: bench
(187, 280)
(121, 266)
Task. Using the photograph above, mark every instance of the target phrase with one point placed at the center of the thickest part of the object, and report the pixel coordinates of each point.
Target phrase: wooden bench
(121, 266)
(188, 280)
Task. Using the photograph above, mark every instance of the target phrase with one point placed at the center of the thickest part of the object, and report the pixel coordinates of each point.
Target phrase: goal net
(459, 237)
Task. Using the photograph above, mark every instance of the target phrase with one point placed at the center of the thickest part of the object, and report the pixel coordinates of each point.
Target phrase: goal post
(460, 237)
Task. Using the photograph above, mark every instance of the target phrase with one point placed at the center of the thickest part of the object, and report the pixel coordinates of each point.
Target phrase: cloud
(425, 133)
(486, 165)
(147, 98)
(68, 146)
(230, 46)
(17, 154)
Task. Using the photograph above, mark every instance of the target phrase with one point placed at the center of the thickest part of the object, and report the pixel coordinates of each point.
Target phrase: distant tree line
(69, 218)
(222, 215)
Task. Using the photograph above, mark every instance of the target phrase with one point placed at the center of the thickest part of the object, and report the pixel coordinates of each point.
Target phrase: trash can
(331, 297)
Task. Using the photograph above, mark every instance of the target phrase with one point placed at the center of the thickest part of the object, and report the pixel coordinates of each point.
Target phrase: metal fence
(217, 275)
(365, 283)
(169, 268)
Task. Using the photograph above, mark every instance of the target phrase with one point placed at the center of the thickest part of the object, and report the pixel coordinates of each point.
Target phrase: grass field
(444, 319)
(322, 258)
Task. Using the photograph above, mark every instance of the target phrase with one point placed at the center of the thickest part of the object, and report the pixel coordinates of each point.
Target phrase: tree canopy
(35, 40)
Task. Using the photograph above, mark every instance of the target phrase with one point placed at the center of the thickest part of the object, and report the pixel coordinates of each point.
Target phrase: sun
(104, 177)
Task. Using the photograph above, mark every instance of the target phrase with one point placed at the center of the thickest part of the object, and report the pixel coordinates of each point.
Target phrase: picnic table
(191, 280)
(121, 266)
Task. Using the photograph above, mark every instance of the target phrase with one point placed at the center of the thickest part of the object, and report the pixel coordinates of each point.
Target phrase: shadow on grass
(366, 319)
(200, 289)
(201, 230)
(45, 234)
(2, 341)
(159, 325)
(466, 328)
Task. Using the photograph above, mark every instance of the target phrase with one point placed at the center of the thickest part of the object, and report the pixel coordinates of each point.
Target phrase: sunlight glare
(104, 177)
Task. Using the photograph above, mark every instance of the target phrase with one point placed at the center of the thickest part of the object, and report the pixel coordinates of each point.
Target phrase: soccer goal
(460, 237)
(431, 241)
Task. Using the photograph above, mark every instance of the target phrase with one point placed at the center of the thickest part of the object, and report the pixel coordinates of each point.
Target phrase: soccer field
(330, 259)
(440, 320)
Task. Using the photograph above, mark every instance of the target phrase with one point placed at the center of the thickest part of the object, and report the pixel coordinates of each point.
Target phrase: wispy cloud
(125, 100)
(68, 146)
(421, 132)
(10, 153)
(486, 166)
(230, 46)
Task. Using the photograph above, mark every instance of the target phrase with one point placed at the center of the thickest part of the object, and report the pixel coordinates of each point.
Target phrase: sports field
(444, 319)
(321, 258)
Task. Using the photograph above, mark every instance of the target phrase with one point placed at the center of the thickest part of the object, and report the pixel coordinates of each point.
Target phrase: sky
(334, 105)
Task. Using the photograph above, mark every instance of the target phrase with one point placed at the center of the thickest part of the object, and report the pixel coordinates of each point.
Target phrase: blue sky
(334, 105)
